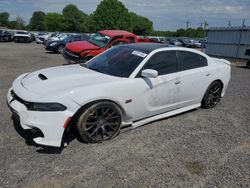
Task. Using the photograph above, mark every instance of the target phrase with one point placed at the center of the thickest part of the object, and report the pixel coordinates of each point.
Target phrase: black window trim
(179, 64)
(138, 75)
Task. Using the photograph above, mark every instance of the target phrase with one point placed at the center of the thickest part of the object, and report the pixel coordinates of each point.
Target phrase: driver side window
(163, 62)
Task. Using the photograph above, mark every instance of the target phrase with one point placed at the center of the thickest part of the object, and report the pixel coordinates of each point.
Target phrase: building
(231, 42)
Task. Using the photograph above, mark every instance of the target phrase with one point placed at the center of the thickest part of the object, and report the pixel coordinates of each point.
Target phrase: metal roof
(228, 28)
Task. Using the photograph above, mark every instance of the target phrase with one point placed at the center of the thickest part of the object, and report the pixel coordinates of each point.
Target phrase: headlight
(45, 106)
(53, 44)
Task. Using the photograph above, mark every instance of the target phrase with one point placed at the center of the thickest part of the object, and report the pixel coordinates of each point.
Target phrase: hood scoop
(42, 76)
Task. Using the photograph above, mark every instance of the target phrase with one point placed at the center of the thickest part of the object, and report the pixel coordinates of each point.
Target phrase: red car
(82, 51)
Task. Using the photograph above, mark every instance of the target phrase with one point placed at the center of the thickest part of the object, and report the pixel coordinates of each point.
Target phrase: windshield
(63, 36)
(119, 61)
(99, 40)
(22, 32)
(67, 38)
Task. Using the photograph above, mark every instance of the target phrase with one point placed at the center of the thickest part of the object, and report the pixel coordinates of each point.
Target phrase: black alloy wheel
(212, 95)
(99, 122)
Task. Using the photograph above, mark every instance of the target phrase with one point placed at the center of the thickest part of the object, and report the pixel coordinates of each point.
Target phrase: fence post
(238, 47)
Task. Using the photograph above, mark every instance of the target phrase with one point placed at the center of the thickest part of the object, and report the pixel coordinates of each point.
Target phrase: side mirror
(149, 73)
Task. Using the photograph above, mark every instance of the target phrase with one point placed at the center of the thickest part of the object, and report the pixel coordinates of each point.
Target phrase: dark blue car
(57, 46)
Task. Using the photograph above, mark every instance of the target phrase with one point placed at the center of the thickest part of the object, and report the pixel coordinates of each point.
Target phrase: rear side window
(189, 60)
(131, 39)
(163, 62)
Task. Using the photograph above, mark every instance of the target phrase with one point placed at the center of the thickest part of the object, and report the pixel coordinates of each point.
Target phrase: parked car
(190, 43)
(247, 53)
(183, 41)
(175, 42)
(5, 36)
(203, 43)
(197, 44)
(59, 45)
(42, 37)
(78, 52)
(22, 36)
(56, 36)
(126, 86)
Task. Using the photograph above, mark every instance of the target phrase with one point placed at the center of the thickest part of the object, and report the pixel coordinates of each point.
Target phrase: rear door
(193, 76)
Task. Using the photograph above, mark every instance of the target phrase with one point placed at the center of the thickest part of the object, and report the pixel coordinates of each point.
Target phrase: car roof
(146, 47)
(112, 33)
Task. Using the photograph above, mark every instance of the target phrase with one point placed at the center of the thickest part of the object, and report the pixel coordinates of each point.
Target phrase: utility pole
(238, 47)
(204, 35)
(201, 25)
(229, 23)
(187, 24)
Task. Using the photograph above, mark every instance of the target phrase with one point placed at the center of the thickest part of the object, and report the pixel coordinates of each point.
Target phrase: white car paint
(75, 86)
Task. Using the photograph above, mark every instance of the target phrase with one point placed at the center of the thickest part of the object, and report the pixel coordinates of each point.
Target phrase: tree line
(109, 14)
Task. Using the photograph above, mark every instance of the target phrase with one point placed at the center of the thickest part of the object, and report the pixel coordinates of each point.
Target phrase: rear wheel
(99, 122)
(212, 95)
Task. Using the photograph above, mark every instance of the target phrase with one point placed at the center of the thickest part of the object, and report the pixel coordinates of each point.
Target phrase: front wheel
(248, 64)
(99, 122)
(60, 49)
(16, 40)
(212, 95)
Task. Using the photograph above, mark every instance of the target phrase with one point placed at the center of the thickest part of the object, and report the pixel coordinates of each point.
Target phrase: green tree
(180, 33)
(75, 19)
(37, 21)
(20, 22)
(13, 24)
(4, 19)
(111, 14)
(199, 33)
(54, 22)
(162, 33)
(141, 25)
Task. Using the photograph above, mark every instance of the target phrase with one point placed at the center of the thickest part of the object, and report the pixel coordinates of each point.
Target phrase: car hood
(79, 46)
(54, 41)
(58, 80)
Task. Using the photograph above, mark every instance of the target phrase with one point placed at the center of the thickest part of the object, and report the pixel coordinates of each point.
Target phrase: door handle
(177, 82)
(208, 74)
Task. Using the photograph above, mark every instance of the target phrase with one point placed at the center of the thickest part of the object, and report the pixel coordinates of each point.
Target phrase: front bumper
(70, 57)
(51, 124)
(51, 48)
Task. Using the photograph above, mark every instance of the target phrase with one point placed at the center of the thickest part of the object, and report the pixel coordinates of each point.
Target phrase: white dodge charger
(128, 85)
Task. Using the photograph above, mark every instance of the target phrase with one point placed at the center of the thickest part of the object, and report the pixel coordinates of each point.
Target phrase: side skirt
(161, 116)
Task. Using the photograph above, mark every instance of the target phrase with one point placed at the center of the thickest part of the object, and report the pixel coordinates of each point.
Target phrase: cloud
(165, 14)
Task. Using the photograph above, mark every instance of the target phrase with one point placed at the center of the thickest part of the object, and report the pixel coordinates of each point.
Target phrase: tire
(60, 49)
(248, 64)
(15, 39)
(212, 95)
(99, 122)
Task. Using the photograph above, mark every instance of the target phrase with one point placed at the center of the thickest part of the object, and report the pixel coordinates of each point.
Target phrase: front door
(160, 94)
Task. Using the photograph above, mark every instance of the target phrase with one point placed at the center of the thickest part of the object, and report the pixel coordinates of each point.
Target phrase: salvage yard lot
(201, 148)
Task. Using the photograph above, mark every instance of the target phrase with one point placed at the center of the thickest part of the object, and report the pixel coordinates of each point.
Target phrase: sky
(165, 14)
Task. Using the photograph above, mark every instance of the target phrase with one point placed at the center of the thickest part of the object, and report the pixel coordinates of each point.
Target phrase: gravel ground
(201, 148)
